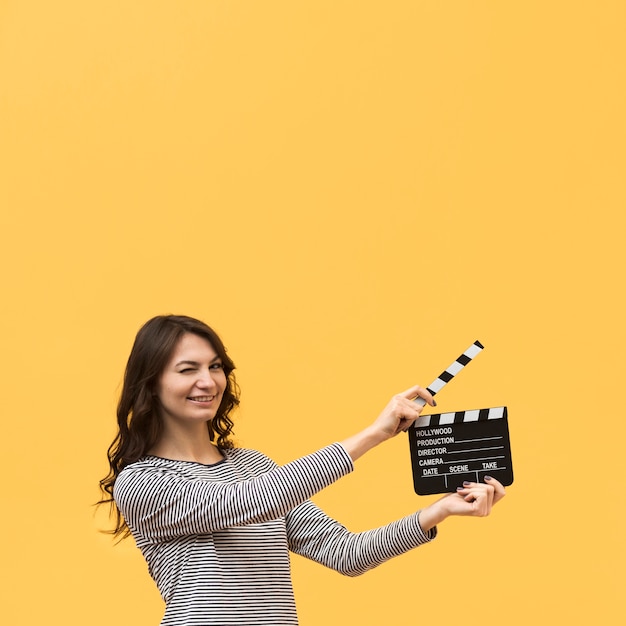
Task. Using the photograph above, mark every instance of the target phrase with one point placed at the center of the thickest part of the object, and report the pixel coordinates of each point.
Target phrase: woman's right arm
(160, 504)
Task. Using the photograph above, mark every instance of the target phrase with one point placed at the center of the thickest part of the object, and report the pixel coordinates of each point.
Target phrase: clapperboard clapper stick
(448, 374)
(449, 448)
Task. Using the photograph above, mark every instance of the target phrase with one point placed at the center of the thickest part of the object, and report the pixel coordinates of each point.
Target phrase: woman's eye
(187, 369)
(216, 366)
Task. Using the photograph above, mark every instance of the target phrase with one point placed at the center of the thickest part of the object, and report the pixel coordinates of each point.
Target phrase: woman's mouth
(201, 398)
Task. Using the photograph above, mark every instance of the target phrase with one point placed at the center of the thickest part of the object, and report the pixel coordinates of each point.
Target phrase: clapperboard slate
(448, 448)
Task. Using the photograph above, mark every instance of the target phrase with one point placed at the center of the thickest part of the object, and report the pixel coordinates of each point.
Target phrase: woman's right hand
(398, 415)
(401, 412)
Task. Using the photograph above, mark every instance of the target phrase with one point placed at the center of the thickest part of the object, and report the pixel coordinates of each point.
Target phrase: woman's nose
(206, 380)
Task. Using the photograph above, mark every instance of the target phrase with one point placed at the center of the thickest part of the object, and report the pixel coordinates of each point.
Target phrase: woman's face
(191, 387)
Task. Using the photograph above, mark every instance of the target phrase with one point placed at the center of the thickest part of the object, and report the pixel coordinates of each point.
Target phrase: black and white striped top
(217, 537)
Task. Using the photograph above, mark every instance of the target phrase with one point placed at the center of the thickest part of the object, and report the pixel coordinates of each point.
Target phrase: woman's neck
(184, 444)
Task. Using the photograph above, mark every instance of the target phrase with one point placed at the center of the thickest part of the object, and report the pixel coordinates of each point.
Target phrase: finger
(419, 392)
(481, 495)
(477, 504)
(483, 489)
(407, 412)
(486, 486)
(405, 422)
(498, 488)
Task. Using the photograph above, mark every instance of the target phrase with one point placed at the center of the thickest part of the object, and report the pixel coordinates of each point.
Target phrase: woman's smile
(201, 399)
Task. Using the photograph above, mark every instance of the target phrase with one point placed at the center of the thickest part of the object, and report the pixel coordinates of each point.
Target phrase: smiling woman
(216, 523)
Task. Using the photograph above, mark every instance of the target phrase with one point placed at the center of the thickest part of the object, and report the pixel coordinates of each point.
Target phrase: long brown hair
(137, 417)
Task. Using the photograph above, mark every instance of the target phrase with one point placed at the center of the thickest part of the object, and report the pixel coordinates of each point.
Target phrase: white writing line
(486, 458)
(474, 450)
(479, 439)
(485, 471)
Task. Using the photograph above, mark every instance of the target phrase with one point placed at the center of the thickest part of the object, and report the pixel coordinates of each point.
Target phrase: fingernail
(466, 483)
(434, 402)
(487, 477)
(459, 488)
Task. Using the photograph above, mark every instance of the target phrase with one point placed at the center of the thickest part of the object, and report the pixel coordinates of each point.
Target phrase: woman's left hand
(471, 500)
(474, 499)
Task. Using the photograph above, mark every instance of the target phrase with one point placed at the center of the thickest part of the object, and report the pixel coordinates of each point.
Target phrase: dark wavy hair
(137, 416)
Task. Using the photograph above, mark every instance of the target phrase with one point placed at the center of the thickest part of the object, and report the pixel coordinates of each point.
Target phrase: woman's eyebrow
(195, 363)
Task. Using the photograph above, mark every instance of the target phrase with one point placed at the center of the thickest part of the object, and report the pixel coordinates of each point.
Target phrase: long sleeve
(317, 536)
(160, 503)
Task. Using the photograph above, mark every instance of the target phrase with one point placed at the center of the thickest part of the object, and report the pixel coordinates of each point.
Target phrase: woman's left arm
(315, 535)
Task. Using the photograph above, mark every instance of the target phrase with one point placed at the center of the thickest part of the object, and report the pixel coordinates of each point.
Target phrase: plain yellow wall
(351, 193)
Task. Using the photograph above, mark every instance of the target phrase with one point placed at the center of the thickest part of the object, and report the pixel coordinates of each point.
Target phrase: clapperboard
(449, 448)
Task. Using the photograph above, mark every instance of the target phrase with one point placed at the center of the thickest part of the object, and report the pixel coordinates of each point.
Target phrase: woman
(216, 523)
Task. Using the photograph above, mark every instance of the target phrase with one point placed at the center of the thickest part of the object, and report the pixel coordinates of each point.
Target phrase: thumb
(418, 392)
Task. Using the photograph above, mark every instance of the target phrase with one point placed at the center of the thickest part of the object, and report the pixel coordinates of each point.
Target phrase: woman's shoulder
(146, 468)
(151, 464)
(250, 458)
(152, 474)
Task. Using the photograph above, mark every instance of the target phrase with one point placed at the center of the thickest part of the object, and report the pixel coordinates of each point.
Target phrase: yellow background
(350, 193)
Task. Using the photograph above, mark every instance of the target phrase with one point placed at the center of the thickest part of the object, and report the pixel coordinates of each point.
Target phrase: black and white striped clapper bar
(448, 374)
(448, 448)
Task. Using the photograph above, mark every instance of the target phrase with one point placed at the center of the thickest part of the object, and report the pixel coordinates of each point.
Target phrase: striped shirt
(217, 537)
